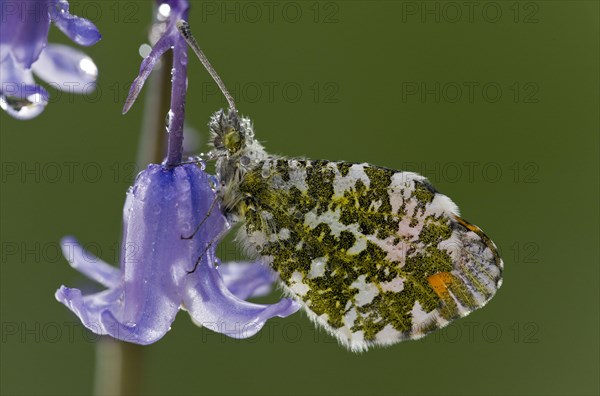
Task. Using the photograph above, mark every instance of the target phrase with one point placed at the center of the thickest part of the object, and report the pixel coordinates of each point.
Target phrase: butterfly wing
(376, 256)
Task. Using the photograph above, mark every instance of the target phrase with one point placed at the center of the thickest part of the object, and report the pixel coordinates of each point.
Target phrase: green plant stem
(118, 368)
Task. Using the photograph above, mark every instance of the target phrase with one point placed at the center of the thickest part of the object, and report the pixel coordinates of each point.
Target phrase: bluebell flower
(154, 280)
(24, 50)
(161, 272)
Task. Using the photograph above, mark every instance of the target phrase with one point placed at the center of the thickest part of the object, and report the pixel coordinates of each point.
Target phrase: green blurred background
(496, 102)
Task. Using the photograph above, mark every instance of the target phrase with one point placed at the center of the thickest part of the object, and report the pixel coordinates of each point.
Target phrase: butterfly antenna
(186, 33)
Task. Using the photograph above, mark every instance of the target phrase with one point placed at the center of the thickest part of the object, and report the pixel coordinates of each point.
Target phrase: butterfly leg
(208, 246)
(208, 213)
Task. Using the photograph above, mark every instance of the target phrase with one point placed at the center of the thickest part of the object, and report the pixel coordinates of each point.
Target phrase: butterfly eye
(232, 140)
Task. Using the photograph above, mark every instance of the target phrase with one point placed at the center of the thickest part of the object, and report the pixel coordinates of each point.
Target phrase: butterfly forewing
(376, 256)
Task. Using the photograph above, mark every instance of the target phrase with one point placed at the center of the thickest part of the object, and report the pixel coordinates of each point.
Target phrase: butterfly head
(231, 134)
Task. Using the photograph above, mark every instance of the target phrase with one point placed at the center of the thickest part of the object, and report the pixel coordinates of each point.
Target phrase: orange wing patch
(451, 290)
(468, 225)
(440, 284)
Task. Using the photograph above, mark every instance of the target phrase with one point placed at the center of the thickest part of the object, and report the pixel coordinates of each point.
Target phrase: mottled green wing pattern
(376, 256)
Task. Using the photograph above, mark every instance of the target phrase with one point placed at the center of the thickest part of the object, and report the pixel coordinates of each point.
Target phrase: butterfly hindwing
(376, 256)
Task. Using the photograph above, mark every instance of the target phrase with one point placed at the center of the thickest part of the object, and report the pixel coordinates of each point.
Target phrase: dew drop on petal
(23, 109)
(88, 67)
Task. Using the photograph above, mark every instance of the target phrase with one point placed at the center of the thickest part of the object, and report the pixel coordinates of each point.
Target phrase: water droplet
(23, 109)
(164, 10)
(169, 120)
(266, 172)
(144, 50)
(88, 67)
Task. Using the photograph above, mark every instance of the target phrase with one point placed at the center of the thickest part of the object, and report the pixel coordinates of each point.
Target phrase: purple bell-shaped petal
(23, 30)
(154, 279)
(80, 30)
(245, 280)
(20, 96)
(24, 27)
(66, 69)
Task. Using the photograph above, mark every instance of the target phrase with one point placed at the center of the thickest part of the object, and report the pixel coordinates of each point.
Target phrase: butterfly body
(375, 255)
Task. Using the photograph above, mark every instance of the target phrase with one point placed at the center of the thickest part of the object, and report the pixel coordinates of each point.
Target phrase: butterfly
(374, 255)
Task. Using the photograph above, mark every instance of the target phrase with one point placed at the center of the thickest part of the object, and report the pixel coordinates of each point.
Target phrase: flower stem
(118, 368)
(177, 112)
